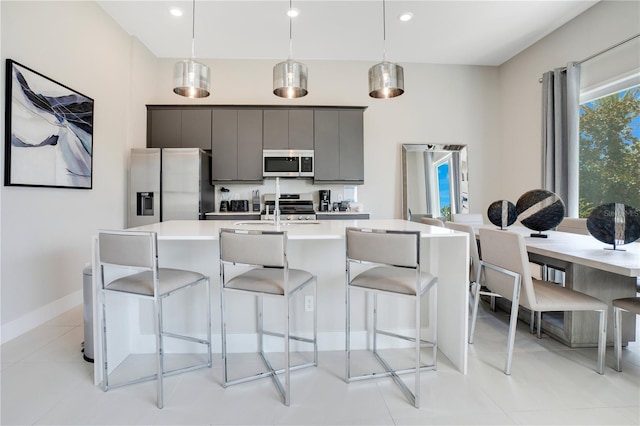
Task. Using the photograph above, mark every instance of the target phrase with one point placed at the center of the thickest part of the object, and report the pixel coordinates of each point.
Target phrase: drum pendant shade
(386, 80)
(290, 79)
(191, 79)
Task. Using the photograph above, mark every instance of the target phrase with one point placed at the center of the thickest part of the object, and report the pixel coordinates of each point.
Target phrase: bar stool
(627, 304)
(264, 254)
(125, 251)
(394, 257)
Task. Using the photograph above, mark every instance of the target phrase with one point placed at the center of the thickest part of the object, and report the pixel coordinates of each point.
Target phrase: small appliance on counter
(224, 199)
(255, 200)
(325, 200)
(239, 205)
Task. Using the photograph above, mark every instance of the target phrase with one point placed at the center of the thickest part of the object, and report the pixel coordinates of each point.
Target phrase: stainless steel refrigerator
(169, 184)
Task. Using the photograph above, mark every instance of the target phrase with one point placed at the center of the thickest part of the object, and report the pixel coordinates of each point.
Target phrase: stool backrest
(397, 248)
(127, 248)
(507, 250)
(251, 247)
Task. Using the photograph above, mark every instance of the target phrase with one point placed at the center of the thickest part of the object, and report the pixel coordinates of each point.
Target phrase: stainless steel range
(292, 207)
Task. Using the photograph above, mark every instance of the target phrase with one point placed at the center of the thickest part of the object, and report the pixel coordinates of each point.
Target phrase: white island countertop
(296, 230)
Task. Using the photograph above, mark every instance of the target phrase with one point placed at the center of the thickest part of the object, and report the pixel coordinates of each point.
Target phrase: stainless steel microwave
(287, 163)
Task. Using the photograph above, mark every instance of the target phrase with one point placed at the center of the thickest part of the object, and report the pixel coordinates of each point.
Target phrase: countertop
(296, 230)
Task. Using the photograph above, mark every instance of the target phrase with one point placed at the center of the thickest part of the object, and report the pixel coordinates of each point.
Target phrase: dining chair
(260, 257)
(469, 218)
(128, 263)
(627, 304)
(474, 255)
(432, 221)
(506, 273)
(392, 259)
(573, 225)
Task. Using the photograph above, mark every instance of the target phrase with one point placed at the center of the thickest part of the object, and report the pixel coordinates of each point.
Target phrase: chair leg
(223, 335)
(159, 352)
(375, 323)
(512, 335)
(602, 341)
(287, 356)
(208, 304)
(105, 368)
(347, 343)
(474, 316)
(617, 336)
(539, 325)
(416, 400)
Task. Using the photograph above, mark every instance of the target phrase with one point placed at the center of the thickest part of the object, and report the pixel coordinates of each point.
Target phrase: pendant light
(290, 77)
(386, 79)
(191, 78)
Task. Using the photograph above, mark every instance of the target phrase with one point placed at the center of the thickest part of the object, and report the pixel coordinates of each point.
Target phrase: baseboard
(33, 319)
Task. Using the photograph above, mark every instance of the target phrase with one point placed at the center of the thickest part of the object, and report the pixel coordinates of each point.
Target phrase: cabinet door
(164, 128)
(301, 129)
(196, 128)
(327, 145)
(249, 145)
(276, 129)
(224, 144)
(351, 146)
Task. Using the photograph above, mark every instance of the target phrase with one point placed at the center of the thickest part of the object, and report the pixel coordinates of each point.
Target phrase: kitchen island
(319, 247)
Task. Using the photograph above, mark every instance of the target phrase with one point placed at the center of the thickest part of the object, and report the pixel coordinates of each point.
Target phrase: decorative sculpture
(540, 210)
(502, 213)
(614, 223)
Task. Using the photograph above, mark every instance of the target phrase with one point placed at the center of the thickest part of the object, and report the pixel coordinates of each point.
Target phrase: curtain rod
(602, 51)
(609, 48)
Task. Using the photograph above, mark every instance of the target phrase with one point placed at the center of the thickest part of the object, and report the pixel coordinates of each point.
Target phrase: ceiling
(441, 32)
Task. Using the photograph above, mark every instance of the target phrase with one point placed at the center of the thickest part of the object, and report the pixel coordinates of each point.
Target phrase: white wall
(46, 232)
(601, 26)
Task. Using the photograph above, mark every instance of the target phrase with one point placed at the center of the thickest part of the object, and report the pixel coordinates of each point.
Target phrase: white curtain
(561, 133)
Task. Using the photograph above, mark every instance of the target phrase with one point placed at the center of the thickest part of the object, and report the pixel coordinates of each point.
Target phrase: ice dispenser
(145, 203)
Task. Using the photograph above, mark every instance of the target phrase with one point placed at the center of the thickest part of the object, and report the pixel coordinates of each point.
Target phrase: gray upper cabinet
(236, 146)
(179, 128)
(339, 145)
(288, 129)
(236, 135)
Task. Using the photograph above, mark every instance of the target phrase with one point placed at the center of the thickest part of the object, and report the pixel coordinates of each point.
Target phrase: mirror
(435, 181)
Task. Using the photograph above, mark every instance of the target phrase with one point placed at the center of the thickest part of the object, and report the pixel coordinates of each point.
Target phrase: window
(609, 168)
(444, 190)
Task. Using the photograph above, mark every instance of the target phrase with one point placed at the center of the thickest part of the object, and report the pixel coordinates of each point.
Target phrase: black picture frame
(48, 132)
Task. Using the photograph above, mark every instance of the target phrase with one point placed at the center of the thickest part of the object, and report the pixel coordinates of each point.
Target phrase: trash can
(87, 293)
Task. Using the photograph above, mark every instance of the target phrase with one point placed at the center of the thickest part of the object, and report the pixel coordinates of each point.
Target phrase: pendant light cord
(384, 31)
(193, 31)
(290, 30)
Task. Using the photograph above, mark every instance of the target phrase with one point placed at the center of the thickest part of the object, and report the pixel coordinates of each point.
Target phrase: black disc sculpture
(502, 213)
(614, 223)
(540, 210)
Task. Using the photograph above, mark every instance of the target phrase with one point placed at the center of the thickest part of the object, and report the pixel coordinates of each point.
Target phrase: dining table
(585, 264)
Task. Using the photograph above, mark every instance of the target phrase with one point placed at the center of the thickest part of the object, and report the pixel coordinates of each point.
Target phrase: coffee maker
(325, 200)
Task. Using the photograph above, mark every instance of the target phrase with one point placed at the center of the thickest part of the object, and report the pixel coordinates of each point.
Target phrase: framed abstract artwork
(48, 132)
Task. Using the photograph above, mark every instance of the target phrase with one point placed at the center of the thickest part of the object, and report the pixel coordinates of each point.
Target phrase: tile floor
(44, 380)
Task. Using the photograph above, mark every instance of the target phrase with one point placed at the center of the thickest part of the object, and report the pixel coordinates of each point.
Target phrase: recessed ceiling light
(293, 12)
(407, 16)
(176, 11)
